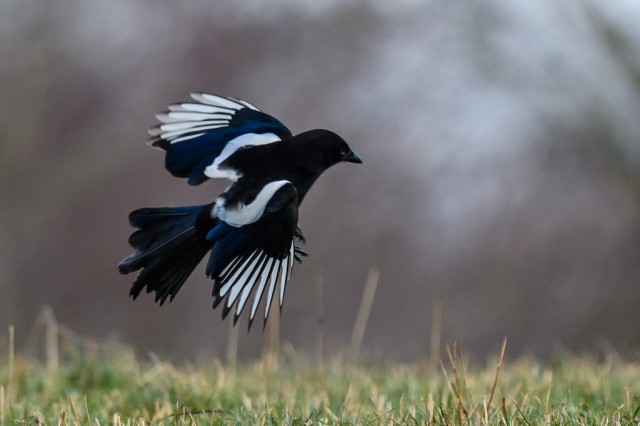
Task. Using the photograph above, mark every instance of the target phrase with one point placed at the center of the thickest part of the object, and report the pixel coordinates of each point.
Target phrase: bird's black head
(323, 149)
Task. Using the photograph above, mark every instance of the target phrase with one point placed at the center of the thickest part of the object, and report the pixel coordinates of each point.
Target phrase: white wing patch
(245, 103)
(209, 99)
(241, 214)
(188, 120)
(214, 171)
(254, 271)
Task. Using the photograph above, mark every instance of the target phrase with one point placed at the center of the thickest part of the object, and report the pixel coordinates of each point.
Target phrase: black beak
(352, 157)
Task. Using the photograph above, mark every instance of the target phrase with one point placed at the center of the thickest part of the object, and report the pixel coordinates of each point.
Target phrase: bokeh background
(501, 177)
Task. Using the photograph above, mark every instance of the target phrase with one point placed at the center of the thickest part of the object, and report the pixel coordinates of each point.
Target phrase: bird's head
(326, 148)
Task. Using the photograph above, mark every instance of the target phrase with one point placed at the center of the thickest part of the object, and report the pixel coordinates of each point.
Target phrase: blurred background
(501, 177)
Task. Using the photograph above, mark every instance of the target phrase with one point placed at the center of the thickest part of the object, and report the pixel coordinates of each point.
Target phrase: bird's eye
(343, 152)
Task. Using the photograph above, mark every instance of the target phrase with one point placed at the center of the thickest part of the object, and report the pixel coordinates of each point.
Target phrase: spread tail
(169, 244)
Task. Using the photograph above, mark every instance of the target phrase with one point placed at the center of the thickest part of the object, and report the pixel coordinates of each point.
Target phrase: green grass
(112, 386)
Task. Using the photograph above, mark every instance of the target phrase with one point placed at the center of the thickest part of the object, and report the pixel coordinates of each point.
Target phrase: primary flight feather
(251, 228)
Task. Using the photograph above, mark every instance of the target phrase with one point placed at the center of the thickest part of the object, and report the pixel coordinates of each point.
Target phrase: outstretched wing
(198, 136)
(253, 250)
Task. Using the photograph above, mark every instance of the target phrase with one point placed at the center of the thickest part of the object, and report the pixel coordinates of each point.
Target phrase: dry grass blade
(504, 411)
(524, 418)
(11, 365)
(436, 333)
(465, 388)
(232, 345)
(363, 313)
(635, 414)
(495, 381)
(443, 415)
(2, 405)
(75, 412)
(485, 411)
(11, 355)
(51, 338)
(86, 410)
(450, 384)
(453, 359)
(272, 345)
(320, 322)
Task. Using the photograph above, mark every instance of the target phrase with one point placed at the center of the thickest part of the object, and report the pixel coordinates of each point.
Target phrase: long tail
(169, 244)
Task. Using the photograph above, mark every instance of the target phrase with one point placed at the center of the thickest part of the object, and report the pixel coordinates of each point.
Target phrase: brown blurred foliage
(501, 177)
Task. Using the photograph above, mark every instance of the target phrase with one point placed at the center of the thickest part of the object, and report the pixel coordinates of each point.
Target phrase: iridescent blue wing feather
(198, 136)
(253, 250)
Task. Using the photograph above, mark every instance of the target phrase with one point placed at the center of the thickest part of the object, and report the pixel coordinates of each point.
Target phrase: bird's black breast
(266, 163)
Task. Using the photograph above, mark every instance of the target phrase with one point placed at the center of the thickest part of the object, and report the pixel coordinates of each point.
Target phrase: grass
(107, 384)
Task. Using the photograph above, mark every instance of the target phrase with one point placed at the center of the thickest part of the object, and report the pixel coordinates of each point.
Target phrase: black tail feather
(169, 244)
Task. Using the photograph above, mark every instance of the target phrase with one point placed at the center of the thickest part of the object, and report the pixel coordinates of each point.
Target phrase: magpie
(251, 229)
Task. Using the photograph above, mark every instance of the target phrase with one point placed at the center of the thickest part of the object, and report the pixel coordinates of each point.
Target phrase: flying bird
(251, 229)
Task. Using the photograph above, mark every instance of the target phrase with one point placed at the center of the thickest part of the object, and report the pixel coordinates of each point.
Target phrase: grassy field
(108, 384)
